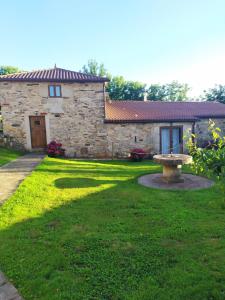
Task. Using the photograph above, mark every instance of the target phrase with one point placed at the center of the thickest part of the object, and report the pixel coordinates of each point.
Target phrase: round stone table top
(172, 159)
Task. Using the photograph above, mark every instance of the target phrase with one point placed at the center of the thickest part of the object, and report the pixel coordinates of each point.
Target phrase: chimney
(145, 96)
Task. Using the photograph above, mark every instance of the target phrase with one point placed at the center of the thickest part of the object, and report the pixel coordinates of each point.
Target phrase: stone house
(73, 108)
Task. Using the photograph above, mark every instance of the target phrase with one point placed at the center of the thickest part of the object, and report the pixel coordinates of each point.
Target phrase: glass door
(171, 140)
(165, 140)
(176, 140)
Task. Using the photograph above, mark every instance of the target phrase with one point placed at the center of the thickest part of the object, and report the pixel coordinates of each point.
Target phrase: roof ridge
(57, 68)
(53, 74)
(52, 69)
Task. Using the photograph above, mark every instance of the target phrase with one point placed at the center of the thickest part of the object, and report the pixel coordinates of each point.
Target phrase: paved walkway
(7, 290)
(11, 176)
(14, 172)
(190, 182)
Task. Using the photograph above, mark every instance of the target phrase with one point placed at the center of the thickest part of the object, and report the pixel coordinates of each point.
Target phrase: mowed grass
(7, 155)
(87, 230)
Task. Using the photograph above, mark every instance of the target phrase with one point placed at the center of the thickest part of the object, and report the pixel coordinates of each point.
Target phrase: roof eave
(211, 116)
(150, 121)
(55, 80)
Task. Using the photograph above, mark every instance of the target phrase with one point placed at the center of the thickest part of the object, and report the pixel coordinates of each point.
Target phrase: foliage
(55, 149)
(7, 155)
(4, 70)
(173, 91)
(115, 88)
(137, 154)
(215, 94)
(209, 160)
(79, 229)
(94, 68)
(156, 92)
(120, 89)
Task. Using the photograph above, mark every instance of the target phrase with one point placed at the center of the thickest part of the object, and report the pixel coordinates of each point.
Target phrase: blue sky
(146, 40)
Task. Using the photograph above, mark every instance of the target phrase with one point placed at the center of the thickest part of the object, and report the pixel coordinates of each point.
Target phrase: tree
(157, 92)
(173, 91)
(133, 90)
(94, 68)
(215, 94)
(120, 89)
(4, 70)
(115, 88)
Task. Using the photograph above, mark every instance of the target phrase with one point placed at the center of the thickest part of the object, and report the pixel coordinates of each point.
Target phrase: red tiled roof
(156, 111)
(52, 75)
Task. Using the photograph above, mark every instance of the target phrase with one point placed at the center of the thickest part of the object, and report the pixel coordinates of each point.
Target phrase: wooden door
(38, 131)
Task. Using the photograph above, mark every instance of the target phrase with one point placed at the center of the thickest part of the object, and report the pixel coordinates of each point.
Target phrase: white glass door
(175, 140)
(171, 140)
(165, 140)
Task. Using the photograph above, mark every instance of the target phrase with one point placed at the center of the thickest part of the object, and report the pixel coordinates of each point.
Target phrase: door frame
(46, 139)
(171, 136)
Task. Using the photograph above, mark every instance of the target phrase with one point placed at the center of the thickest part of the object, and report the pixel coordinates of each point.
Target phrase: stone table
(172, 164)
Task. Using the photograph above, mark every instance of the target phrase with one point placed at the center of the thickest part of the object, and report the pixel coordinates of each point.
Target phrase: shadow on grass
(105, 245)
(68, 182)
(90, 248)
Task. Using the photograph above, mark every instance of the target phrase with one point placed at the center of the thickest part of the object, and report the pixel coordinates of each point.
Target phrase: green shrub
(210, 162)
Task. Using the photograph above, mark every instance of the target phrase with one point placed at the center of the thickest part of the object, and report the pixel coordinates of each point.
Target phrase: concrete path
(7, 290)
(190, 182)
(14, 172)
(11, 176)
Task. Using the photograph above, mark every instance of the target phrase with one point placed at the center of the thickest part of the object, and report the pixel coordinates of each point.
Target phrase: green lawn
(87, 230)
(6, 155)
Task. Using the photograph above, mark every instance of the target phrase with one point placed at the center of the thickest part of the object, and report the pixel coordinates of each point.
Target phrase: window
(37, 122)
(54, 91)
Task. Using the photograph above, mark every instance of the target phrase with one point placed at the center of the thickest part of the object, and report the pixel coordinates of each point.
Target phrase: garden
(81, 229)
(88, 230)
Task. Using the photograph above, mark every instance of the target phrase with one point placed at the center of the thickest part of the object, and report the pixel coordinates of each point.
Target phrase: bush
(55, 149)
(209, 144)
(137, 154)
(210, 161)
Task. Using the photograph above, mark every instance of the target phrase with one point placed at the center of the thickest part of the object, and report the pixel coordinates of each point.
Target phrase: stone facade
(201, 129)
(123, 137)
(77, 121)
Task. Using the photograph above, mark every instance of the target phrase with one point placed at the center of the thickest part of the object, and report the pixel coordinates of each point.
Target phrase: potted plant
(137, 154)
(55, 149)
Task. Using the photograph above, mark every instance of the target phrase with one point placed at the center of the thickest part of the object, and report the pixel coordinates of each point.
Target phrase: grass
(87, 230)
(7, 155)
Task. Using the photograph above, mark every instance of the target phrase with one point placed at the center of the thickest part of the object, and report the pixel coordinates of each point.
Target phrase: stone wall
(123, 137)
(76, 119)
(201, 129)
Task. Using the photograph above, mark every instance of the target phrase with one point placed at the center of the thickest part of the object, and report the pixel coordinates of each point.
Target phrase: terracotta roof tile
(52, 75)
(157, 111)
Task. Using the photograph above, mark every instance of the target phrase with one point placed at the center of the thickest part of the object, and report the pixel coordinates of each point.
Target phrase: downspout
(104, 98)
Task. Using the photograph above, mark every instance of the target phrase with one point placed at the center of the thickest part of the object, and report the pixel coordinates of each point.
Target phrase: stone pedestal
(172, 174)
(172, 164)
